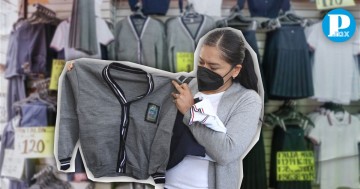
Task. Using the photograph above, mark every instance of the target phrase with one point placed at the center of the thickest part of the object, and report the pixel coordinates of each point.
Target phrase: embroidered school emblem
(152, 113)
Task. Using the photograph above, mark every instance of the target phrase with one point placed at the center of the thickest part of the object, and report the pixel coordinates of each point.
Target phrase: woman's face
(210, 58)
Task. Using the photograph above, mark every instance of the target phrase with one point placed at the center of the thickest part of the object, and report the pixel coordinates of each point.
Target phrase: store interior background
(115, 10)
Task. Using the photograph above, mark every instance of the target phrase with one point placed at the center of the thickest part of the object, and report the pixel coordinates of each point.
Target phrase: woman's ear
(237, 70)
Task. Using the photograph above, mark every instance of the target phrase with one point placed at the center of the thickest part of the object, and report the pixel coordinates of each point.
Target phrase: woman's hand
(184, 99)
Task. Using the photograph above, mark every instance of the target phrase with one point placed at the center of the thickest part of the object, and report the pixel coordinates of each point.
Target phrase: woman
(225, 121)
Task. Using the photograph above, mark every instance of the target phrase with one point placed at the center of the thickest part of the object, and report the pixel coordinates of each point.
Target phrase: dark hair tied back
(234, 52)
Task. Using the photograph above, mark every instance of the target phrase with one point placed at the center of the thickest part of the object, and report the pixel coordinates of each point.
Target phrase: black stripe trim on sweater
(119, 93)
(65, 163)
(159, 178)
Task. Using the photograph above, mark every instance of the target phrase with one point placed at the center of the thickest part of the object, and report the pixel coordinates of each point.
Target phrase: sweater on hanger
(183, 38)
(141, 41)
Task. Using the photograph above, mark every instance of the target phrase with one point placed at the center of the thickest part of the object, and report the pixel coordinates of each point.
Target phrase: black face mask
(209, 80)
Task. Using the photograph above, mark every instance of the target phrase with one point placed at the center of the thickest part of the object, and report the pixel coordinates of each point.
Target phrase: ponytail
(247, 76)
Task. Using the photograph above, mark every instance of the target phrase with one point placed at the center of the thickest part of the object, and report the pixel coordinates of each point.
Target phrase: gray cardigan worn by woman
(239, 109)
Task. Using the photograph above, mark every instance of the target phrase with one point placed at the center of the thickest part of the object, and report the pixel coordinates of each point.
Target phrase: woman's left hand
(184, 99)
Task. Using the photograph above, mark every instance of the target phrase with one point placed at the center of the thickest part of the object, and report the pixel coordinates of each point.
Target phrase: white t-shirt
(337, 134)
(335, 70)
(343, 172)
(60, 40)
(207, 7)
(192, 171)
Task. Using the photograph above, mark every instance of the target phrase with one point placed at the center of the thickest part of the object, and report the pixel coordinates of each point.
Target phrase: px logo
(339, 25)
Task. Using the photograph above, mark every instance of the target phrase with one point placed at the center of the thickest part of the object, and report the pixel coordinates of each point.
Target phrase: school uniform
(338, 167)
(290, 140)
(122, 115)
(183, 38)
(60, 41)
(28, 52)
(286, 63)
(141, 41)
(83, 27)
(327, 58)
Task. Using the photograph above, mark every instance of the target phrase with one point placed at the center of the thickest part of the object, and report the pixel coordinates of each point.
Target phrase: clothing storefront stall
(85, 94)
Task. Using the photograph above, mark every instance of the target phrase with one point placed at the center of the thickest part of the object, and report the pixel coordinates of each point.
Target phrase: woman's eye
(201, 63)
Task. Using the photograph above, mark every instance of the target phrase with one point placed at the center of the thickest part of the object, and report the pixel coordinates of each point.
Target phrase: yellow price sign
(330, 4)
(184, 61)
(57, 68)
(35, 142)
(295, 166)
(13, 165)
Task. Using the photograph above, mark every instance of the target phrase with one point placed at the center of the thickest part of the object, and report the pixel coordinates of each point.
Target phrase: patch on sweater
(152, 113)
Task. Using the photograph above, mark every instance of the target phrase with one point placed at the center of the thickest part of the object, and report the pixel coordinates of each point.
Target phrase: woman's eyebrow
(210, 63)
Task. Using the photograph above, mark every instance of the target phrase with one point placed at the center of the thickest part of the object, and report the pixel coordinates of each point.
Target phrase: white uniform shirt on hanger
(335, 69)
(338, 135)
(60, 40)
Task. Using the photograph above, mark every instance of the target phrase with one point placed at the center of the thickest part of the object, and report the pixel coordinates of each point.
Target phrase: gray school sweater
(141, 41)
(182, 37)
(122, 115)
(239, 110)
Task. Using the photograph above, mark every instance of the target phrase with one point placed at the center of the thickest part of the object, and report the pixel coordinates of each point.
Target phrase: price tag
(295, 166)
(13, 165)
(330, 4)
(35, 142)
(57, 68)
(184, 61)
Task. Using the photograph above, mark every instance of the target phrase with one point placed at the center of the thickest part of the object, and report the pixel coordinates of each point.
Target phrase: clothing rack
(44, 10)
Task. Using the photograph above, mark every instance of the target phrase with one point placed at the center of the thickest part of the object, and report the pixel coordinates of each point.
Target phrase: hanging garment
(141, 41)
(34, 114)
(329, 132)
(254, 167)
(83, 27)
(286, 63)
(334, 59)
(182, 39)
(16, 92)
(28, 50)
(265, 8)
(7, 142)
(7, 137)
(28, 53)
(112, 102)
(290, 140)
(157, 7)
(207, 7)
(61, 36)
